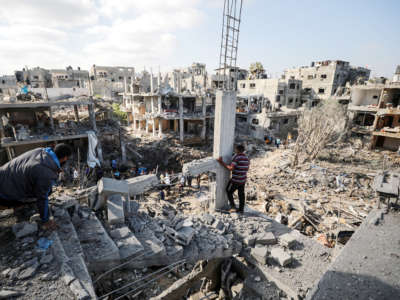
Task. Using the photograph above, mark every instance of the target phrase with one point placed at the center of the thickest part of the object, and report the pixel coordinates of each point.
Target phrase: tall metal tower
(229, 42)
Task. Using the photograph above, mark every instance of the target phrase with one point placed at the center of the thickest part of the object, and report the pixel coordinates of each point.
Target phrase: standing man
(239, 167)
(31, 176)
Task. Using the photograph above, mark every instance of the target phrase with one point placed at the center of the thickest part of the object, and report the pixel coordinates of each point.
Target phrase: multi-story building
(193, 79)
(230, 76)
(8, 85)
(109, 82)
(70, 78)
(322, 79)
(35, 78)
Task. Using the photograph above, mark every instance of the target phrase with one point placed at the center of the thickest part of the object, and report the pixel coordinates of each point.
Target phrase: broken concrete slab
(267, 238)
(197, 167)
(120, 233)
(260, 254)
(115, 209)
(28, 272)
(139, 185)
(282, 257)
(78, 290)
(24, 229)
(287, 240)
(99, 249)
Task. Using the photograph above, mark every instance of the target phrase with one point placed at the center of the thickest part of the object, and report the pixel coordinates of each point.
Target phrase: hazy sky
(175, 33)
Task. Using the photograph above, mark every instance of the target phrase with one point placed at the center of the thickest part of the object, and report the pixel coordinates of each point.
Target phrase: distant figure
(181, 183)
(162, 195)
(277, 142)
(189, 179)
(238, 167)
(198, 181)
(167, 182)
(32, 176)
(114, 164)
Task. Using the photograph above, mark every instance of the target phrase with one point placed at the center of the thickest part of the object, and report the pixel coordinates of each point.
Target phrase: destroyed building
(8, 85)
(70, 78)
(322, 80)
(108, 82)
(35, 77)
(185, 111)
(222, 77)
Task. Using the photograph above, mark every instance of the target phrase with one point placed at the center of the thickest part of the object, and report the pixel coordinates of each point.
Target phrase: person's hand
(50, 225)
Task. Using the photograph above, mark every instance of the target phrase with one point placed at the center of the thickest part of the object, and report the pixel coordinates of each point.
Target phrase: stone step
(101, 253)
(127, 243)
(73, 250)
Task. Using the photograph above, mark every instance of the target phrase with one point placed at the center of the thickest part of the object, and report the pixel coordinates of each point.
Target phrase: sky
(166, 34)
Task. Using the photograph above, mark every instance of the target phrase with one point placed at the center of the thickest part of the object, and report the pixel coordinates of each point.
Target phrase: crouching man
(31, 176)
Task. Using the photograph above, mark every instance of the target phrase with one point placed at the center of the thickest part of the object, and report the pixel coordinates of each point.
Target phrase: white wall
(57, 92)
(365, 97)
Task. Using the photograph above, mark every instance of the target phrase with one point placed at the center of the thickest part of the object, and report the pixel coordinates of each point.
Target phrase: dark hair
(240, 148)
(62, 150)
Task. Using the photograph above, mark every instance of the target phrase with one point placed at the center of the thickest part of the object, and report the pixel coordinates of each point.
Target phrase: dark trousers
(11, 204)
(230, 189)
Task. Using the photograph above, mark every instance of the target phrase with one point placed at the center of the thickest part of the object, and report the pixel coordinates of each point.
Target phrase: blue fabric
(24, 90)
(53, 156)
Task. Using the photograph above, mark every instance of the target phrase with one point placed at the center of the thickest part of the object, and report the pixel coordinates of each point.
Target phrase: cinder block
(200, 166)
(267, 238)
(287, 240)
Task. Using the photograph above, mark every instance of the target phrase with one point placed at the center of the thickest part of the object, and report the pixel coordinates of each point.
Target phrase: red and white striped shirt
(241, 165)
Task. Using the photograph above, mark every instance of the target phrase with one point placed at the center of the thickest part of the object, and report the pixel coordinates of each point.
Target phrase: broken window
(120, 77)
(323, 76)
(290, 100)
(278, 98)
(292, 86)
(280, 92)
(374, 97)
(321, 91)
(3, 81)
(310, 77)
(255, 121)
(36, 77)
(285, 121)
(252, 85)
(243, 85)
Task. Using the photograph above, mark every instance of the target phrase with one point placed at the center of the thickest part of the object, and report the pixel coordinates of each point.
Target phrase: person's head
(239, 148)
(63, 152)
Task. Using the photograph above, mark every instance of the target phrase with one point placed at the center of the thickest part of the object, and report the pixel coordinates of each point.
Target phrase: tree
(256, 70)
(317, 128)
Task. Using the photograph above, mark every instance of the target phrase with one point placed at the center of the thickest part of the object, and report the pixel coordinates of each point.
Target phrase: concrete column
(2, 132)
(53, 129)
(203, 130)
(160, 127)
(159, 104)
(181, 123)
(147, 126)
(151, 83)
(133, 117)
(76, 113)
(152, 105)
(92, 116)
(224, 135)
(125, 86)
(248, 104)
(123, 152)
(154, 126)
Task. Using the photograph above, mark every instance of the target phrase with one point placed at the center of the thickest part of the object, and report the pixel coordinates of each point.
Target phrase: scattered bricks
(260, 254)
(24, 229)
(115, 206)
(282, 257)
(250, 240)
(139, 185)
(109, 186)
(267, 238)
(287, 240)
(120, 233)
(209, 219)
(200, 166)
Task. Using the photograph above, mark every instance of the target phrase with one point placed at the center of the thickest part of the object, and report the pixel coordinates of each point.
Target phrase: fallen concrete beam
(197, 167)
(139, 185)
(108, 186)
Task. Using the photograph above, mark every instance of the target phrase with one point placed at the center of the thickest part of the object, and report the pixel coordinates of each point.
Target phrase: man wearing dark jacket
(32, 176)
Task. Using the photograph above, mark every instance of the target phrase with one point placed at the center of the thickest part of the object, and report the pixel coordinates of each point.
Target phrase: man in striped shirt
(239, 167)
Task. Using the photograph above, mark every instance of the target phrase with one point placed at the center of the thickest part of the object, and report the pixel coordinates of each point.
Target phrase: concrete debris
(29, 271)
(260, 254)
(201, 166)
(7, 294)
(139, 185)
(24, 229)
(287, 240)
(115, 212)
(282, 257)
(267, 238)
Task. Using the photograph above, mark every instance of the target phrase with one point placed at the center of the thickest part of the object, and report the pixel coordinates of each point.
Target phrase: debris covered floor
(280, 248)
